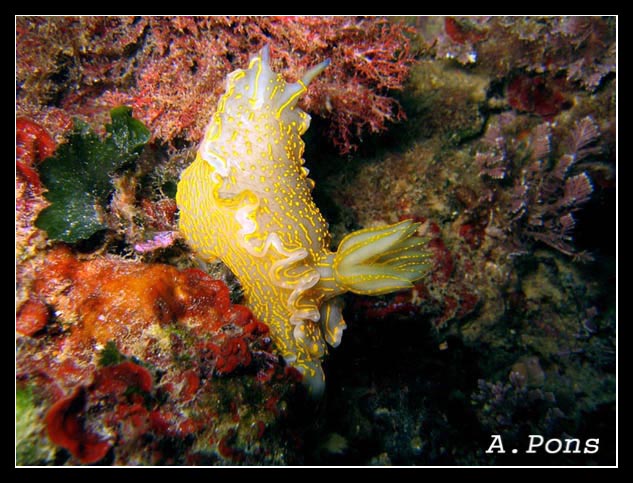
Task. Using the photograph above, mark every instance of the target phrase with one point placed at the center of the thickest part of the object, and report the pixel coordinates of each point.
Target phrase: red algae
(66, 419)
(227, 449)
(65, 426)
(194, 379)
(445, 295)
(33, 144)
(473, 235)
(171, 70)
(148, 351)
(231, 355)
(32, 317)
(160, 214)
(118, 378)
(461, 33)
(191, 385)
(537, 95)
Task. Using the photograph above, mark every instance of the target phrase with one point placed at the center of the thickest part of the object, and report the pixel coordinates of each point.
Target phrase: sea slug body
(246, 199)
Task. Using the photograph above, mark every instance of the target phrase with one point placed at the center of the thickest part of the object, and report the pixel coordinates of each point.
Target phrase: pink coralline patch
(159, 220)
(162, 239)
(172, 70)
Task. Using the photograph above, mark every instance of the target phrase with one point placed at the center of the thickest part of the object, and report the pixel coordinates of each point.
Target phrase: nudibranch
(246, 199)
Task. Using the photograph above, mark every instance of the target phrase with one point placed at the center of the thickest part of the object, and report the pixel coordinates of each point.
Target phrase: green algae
(110, 355)
(31, 446)
(79, 176)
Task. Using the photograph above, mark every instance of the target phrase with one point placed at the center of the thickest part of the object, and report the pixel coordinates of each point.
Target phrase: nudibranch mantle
(246, 199)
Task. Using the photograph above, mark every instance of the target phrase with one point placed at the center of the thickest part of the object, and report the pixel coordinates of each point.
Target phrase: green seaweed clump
(31, 447)
(110, 355)
(79, 175)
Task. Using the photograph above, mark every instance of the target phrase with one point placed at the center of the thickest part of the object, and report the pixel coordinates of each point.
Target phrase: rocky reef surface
(497, 133)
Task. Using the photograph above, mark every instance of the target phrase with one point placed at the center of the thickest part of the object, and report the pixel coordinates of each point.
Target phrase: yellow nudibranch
(246, 199)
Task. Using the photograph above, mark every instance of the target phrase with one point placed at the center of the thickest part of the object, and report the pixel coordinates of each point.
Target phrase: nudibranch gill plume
(246, 199)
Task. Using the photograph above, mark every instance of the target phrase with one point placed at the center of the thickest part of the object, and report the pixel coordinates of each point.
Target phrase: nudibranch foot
(246, 199)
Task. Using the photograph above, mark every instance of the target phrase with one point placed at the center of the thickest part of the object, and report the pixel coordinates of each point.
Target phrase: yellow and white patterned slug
(246, 199)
